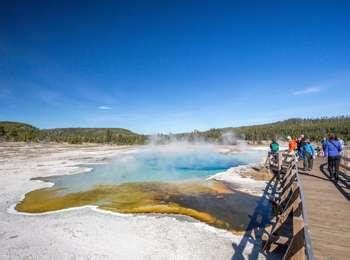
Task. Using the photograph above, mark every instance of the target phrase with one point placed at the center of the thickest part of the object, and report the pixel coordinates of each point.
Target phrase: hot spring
(157, 180)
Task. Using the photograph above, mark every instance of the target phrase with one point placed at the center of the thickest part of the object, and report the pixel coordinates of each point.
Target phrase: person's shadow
(343, 184)
(255, 229)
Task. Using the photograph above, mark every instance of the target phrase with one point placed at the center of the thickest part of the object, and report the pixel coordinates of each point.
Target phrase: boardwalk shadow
(312, 175)
(258, 220)
(343, 184)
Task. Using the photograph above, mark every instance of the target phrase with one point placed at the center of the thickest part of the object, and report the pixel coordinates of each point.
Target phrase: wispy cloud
(306, 91)
(104, 107)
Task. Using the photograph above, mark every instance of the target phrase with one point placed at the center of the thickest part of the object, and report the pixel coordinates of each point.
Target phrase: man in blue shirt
(333, 149)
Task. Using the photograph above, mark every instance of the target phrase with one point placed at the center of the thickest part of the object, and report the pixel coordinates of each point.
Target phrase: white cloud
(306, 91)
(104, 107)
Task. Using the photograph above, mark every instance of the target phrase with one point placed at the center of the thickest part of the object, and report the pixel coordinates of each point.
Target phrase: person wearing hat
(308, 153)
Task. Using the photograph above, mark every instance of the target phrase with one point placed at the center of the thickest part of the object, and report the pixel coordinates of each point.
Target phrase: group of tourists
(332, 148)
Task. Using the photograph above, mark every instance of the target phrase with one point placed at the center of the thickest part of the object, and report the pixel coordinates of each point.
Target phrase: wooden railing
(288, 233)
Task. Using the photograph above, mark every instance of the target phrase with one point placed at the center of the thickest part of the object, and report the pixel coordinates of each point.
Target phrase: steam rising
(198, 138)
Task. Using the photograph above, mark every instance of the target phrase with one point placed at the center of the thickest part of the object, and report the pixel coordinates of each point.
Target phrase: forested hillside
(94, 135)
(315, 129)
(13, 131)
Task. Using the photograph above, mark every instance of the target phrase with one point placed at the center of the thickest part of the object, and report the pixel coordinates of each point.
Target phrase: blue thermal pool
(155, 165)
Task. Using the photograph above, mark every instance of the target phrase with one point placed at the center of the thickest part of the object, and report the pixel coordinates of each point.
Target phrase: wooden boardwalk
(328, 212)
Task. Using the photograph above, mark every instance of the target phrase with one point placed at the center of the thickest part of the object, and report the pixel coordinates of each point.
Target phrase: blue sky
(172, 66)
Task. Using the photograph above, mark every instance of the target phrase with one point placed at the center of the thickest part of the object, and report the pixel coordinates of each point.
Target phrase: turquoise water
(148, 165)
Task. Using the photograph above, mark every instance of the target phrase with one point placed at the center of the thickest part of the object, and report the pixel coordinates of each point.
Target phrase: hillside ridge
(315, 129)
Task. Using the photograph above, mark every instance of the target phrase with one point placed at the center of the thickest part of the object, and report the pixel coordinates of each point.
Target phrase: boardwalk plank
(328, 215)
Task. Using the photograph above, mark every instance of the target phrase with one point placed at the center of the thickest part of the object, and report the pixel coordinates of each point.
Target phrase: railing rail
(308, 244)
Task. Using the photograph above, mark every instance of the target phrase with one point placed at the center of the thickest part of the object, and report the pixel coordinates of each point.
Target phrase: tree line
(20, 132)
(315, 129)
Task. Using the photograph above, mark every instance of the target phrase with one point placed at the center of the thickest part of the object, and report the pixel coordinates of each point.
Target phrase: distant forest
(315, 129)
(13, 131)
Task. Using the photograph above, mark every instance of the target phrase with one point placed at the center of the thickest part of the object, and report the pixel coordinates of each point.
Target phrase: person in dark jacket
(300, 144)
(333, 151)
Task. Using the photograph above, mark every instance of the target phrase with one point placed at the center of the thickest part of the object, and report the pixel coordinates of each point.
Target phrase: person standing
(274, 146)
(308, 153)
(323, 143)
(292, 144)
(341, 141)
(300, 144)
(333, 149)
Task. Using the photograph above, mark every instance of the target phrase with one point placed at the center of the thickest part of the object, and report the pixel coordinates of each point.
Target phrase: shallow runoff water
(156, 165)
